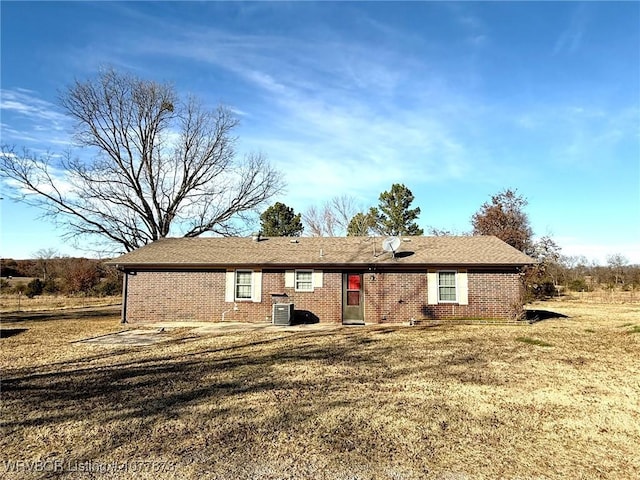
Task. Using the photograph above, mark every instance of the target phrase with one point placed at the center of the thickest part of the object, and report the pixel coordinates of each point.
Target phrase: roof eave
(367, 266)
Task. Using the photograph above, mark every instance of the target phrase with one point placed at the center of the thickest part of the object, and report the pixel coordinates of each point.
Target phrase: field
(21, 303)
(559, 398)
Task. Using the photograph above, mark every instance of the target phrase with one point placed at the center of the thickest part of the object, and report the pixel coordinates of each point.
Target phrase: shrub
(108, 287)
(579, 285)
(34, 288)
(50, 286)
(541, 290)
(80, 276)
(18, 288)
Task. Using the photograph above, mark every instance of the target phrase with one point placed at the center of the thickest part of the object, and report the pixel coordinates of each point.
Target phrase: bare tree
(617, 263)
(161, 166)
(344, 208)
(314, 223)
(45, 258)
(332, 219)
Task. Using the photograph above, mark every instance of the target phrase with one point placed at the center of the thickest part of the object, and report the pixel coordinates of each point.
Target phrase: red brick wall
(200, 296)
(492, 295)
(176, 296)
(394, 297)
(388, 297)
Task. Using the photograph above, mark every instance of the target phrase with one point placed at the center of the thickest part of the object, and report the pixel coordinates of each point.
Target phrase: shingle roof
(321, 251)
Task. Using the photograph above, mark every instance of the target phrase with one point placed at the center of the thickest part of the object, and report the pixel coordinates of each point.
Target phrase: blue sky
(456, 100)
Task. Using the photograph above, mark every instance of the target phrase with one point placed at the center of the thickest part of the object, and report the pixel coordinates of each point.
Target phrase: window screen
(447, 286)
(243, 285)
(304, 280)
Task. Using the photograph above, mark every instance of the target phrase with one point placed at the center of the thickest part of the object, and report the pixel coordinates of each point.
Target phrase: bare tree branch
(160, 166)
(332, 219)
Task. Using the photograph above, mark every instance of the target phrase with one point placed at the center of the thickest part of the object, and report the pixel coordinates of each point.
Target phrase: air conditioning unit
(282, 313)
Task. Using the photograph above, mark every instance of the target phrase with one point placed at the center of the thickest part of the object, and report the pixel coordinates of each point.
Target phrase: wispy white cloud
(333, 118)
(32, 119)
(570, 39)
(587, 135)
(339, 115)
(25, 102)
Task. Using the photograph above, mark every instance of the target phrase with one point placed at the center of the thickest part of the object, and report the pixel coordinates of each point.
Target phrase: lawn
(556, 399)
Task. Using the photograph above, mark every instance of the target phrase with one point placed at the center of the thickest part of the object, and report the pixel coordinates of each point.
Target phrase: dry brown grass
(451, 402)
(605, 296)
(21, 303)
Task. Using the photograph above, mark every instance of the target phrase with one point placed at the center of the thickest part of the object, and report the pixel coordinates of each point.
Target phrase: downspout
(234, 309)
(125, 291)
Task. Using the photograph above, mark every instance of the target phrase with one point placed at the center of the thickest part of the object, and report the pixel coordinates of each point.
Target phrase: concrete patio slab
(130, 337)
(217, 328)
(152, 333)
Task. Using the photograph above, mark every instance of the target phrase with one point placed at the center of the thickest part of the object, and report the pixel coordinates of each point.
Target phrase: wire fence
(22, 303)
(606, 296)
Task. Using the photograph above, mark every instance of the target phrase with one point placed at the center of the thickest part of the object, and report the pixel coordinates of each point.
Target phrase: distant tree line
(53, 274)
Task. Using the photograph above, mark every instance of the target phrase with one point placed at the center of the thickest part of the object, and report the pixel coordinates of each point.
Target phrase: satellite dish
(390, 244)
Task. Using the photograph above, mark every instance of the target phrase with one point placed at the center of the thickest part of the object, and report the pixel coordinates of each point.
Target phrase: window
(304, 280)
(447, 287)
(243, 284)
(354, 284)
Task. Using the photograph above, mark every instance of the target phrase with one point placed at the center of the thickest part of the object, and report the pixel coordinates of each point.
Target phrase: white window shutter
(289, 279)
(230, 286)
(432, 287)
(256, 287)
(463, 287)
(317, 278)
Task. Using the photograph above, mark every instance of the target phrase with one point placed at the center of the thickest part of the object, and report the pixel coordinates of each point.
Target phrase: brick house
(327, 279)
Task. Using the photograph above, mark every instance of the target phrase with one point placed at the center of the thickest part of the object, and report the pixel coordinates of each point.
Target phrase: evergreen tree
(361, 225)
(393, 215)
(280, 220)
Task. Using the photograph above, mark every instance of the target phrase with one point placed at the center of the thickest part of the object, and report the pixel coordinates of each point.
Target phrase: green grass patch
(635, 329)
(534, 341)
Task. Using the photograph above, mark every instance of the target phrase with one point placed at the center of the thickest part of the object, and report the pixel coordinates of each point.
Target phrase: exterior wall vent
(282, 313)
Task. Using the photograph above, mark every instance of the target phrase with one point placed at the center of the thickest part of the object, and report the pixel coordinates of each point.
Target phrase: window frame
(311, 280)
(236, 285)
(454, 286)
